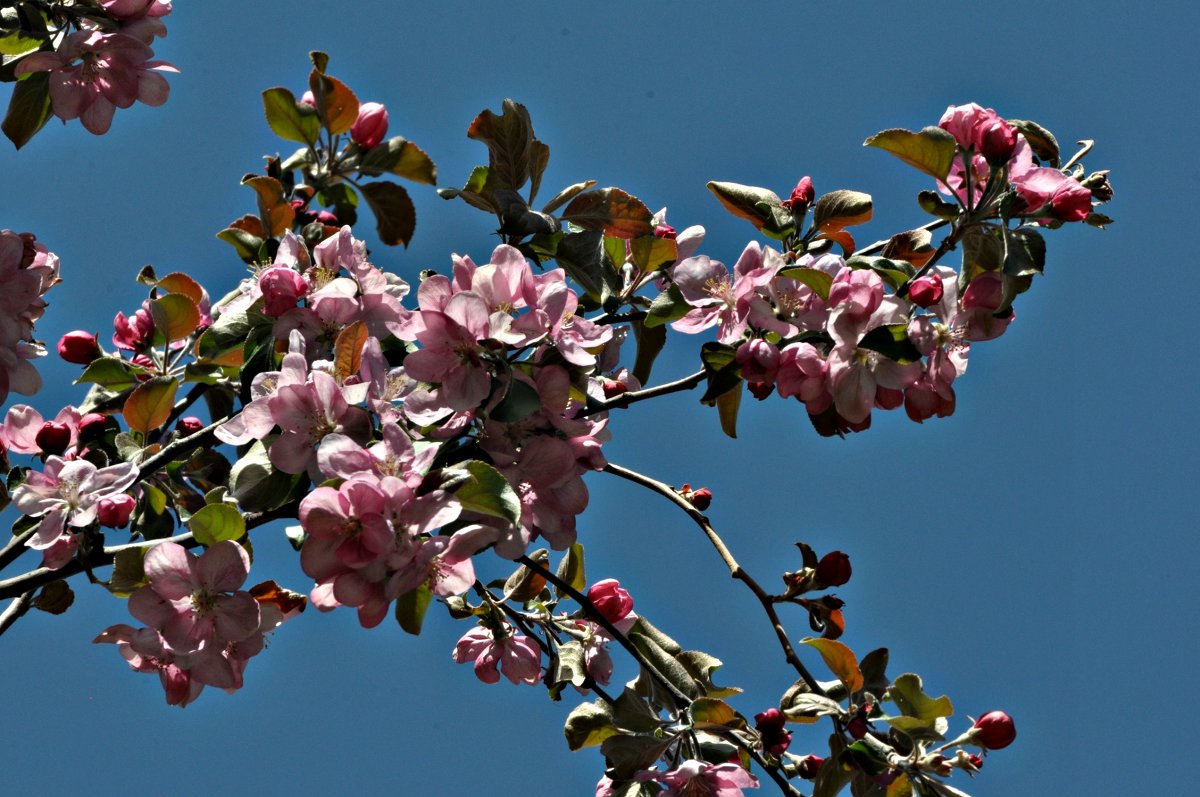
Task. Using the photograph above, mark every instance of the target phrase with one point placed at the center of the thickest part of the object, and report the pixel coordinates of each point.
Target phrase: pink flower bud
(802, 196)
(79, 347)
(327, 218)
(92, 425)
(665, 231)
(610, 599)
(994, 730)
(114, 510)
(308, 99)
(761, 390)
(281, 288)
(701, 499)
(995, 141)
(770, 727)
(371, 125)
(926, 291)
(887, 398)
(809, 766)
(189, 425)
(53, 438)
(834, 569)
(612, 388)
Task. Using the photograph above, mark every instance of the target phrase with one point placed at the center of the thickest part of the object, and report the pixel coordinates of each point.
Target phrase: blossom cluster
(93, 72)
(201, 627)
(27, 270)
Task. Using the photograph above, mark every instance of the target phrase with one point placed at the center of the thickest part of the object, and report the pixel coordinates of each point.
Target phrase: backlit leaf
(216, 523)
(395, 216)
(612, 211)
(150, 404)
(840, 660)
(931, 150)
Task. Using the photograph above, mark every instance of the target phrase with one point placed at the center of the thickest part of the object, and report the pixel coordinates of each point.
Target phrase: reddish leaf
(175, 316)
(347, 350)
(178, 282)
(840, 660)
(913, 246)
(336, 104)
(150, 403)
(274, 210)
(395, 216)
(612, 211)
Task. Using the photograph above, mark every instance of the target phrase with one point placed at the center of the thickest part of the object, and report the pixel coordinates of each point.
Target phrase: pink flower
(515, 654)
(114, 511)
(719, 297)
(132, 333)
(68, 494)
(195, 601)
(92, 74)
(1049, 191)
(371, 125)
(610, 599)
(697, 778)
(145, 651)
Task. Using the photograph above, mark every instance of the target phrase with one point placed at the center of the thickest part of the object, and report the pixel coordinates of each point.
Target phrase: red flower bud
(887, 398)
(975, 760)
(613, 388)
(114, 510)
(92, 425)
(926, 291)
(802, 196)
(189, 425)
(834, 569)
(665, 231)
(857, 727)
(808, 766)
(761, 390)
(79, 347)
(701, 499)
(53, 438)
(994, 730)
(770, 726)
(371, 125)
(996, 142)
(610, 599)
(327, 218)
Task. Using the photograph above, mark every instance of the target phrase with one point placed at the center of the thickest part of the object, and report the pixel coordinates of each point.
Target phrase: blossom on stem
(93, 73)
(516, 655)
(68, 493)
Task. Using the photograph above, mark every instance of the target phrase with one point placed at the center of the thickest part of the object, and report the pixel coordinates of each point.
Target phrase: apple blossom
(516, 655)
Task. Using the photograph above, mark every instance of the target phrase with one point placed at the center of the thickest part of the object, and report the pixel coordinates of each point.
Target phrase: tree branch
(735, 570)
(625, 399)
(18, 607)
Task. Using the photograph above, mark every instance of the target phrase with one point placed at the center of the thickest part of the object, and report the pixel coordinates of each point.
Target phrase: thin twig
(735, 570)
(625, 399)
(16, 609)
(594, 614)
(773, 772)
(878, 245)
(16, 546)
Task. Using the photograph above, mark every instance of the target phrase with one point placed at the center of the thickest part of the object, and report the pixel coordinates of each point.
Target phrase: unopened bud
(996, 142)
(53, 438)
(189, 425)
(701, 499)
(308, 99)
(327, 218)
(809, 766)
(371, 125)
(79, 347)
(994, 730)
(114, 510)
(1097, 183)
(802, 196)
(665, 231)
(611, 599)
(926, 291)
(92, 425)
(613, 388)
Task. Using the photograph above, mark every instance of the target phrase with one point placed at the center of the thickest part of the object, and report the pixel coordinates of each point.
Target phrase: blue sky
(1035, 552)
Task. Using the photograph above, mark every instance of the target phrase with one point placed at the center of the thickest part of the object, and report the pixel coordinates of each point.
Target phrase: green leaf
(709, 711)
(873, 667)
(819, 281)
(150, 404)
(114, 373)
(19, 43)
(400, 157)
(29, 108)
(832, 777)
(248, 246)
(840, 660)
(747, 201)
(344, 201)
(650, 342)
(1026, 252)
(510, 142)
(175, 316)
(569, 665)
(55, 598)
(722, 370)
(701, 666)
(289, 119)
(665, 664)
(481, 488)
(539, 159)
(581, 255)
(1041, 140)
(728, 404)
(627, 754)
(808, 707)
(566, 195)
(670, 306)
(128, 571)
(839, 209)
(651, 253)
(588, 725)
(643, 626)
(256, 484)
(891, 340)
(395, 216)
(931, 151)
(612, 211)
(520, 401)
(571, 570)
(932, 203)
(908, 694)
(411, 608)
(217, 523)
